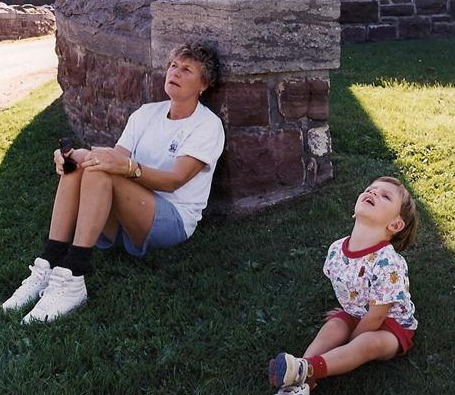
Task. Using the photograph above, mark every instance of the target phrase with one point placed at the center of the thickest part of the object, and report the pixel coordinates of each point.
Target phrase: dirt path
(25, 65)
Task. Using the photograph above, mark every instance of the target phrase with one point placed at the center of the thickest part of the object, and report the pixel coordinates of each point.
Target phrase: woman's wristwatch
(136, 173)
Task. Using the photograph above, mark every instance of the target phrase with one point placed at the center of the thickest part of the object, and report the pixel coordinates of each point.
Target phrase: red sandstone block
(262, 162)
(415, 27)
(359, 11)
(293, 98)
(318, 108)
(353, 34)
(88, 94)
(443, 29)
(246, 104)
(117, 116)
(215, 99)
(157, 87)
(397, 10)
(382, 32)
(441, 18)
(73, 64)
(129, 80)
(99, 118)
(428, 7)
(325, 170)
(101, 73)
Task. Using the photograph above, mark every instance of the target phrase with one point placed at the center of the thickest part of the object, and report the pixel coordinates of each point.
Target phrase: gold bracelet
(130, 167)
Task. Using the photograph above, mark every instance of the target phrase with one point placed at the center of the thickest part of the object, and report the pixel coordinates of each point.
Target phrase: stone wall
(273, 100)
(105, 67)
(33, 2)
(26, 21)
(376, 20)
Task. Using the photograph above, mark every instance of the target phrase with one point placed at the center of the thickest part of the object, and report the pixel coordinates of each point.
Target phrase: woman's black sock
(78, 260)
(54, 252)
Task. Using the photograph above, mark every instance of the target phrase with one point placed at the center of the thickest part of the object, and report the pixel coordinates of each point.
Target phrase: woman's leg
(94, 207)
(61, 231)
(134, 207)
(105, 201)
(66, 206)
(62, 292)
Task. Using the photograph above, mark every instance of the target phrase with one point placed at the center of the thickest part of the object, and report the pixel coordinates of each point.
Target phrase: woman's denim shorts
(167, 231)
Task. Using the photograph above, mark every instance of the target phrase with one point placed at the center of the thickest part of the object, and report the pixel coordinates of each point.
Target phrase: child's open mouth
(369, 201)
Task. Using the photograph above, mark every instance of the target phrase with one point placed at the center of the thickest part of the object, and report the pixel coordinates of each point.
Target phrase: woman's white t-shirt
(156, 141)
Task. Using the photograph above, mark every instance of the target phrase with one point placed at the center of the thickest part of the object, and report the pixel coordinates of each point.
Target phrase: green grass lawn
(205, 317)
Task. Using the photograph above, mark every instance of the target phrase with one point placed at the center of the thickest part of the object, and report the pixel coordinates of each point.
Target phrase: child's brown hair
(408, 212)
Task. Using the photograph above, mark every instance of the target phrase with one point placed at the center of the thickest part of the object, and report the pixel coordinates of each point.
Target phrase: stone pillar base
(273, 100)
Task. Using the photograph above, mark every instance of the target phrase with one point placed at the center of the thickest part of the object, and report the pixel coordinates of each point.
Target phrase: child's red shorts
(404, 336)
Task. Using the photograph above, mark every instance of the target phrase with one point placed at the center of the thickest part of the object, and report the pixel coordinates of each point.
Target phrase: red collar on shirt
(361, 253)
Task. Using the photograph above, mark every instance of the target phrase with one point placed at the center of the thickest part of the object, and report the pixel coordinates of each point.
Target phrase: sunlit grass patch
(416, 122)
(15, 118)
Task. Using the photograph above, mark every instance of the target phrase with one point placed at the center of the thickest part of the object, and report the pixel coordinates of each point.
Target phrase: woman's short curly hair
(203, 53)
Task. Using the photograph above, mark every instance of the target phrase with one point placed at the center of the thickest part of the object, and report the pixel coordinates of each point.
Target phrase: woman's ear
(397, 225)
(203, 88)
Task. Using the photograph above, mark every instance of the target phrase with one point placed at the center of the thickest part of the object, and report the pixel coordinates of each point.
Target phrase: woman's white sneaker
(31, 286)
(64, 294)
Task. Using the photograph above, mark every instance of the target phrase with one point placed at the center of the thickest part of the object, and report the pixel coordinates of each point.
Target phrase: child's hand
(332, 313)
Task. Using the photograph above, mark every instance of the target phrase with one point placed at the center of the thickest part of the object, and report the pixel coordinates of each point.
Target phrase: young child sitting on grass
(371, 283)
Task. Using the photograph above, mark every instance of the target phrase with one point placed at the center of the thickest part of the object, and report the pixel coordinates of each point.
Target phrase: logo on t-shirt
(174, 146)
(176, 142)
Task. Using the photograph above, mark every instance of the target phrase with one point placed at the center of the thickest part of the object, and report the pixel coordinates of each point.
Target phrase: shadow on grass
(27, 184)
(206, 316)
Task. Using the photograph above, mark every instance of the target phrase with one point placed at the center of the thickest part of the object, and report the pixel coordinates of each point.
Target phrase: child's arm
(372, 320)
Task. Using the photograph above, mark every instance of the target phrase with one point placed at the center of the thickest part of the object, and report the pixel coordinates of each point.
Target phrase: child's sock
(317, 368)
(78, 260)
(54, 252)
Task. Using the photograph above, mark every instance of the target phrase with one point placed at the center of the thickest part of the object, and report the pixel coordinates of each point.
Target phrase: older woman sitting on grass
(147, 192)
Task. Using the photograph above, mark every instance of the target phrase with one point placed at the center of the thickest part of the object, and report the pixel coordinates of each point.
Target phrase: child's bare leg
(333, 333)
(368, 346)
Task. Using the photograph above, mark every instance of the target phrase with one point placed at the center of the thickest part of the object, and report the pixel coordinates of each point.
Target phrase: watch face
(138, 172)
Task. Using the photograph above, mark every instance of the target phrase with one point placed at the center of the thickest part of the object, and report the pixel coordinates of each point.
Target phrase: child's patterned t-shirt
(374, 276)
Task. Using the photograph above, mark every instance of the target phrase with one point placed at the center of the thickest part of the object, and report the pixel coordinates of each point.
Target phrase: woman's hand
(110, 160)
(59, 159)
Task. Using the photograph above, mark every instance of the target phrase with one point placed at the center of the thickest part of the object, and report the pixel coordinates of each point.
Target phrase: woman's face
(183, 79)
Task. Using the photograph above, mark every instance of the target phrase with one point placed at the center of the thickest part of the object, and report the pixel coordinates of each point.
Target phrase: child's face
(380, 203)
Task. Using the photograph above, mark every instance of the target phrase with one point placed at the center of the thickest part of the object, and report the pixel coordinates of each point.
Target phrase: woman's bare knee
(96, 179)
